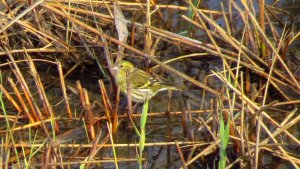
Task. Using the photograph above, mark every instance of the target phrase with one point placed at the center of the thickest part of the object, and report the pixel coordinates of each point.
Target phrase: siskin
(143, 86)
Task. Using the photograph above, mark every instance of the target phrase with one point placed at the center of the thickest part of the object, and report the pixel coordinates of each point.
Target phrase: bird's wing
(140, 79)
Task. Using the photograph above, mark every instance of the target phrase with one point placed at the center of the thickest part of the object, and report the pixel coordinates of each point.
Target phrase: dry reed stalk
(63, 86)
(69, 31)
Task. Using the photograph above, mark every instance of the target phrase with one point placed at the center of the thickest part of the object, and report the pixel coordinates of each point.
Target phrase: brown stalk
(40, 88)
(115, 113)
(263, 27)
(95, 148)
(89, 116)
(12, 100)
(76, 163)
(180, 155)
(106, 102)
(134, 145)
(22, 102)
(39, 50)
(81, 94)
(148, 36)
(139, 5)
(63, 87)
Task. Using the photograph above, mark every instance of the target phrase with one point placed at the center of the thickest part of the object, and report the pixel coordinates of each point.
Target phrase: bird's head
(124, 66)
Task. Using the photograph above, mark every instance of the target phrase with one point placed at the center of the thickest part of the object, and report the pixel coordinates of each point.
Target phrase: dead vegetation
(60, 107)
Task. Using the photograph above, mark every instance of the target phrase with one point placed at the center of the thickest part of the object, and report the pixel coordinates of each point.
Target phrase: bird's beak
(115, 68)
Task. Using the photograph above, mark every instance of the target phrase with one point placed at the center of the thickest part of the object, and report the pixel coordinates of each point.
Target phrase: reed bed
(237, 66)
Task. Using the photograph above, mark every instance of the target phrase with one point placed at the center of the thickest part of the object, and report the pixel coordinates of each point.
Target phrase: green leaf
(144, 114)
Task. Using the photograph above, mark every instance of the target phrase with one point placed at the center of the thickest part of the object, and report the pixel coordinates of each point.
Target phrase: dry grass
(61, 108)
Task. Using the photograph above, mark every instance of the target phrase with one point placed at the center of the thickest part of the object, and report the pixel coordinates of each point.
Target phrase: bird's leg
(134, 108)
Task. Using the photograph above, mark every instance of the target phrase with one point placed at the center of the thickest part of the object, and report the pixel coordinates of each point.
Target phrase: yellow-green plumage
(143, 85)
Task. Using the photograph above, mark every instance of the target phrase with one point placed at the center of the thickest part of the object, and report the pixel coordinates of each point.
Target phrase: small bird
(143, 86)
